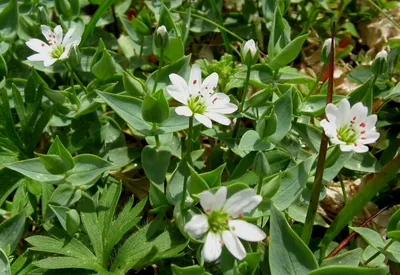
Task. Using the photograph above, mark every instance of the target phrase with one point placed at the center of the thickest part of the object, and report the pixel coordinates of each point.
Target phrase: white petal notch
(206, 105)
(350, 127)
(223, 224)
(57, 46)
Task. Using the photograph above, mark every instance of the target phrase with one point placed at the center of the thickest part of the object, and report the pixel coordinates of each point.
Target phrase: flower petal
(71, 37)
(210, 84)
(37, 57)
(38, 46)
(346, 148)
(234, 245)
(59, 34)
(370, 122)
(329, 128)
(197, 226)
(242, 202)
(343, 112)
(369, 137)
(195, 79)
(65, 54)
(331, 112)
(183, 111)
(49, 61)
(212, 247)
(358, 113)
(47, 32)
(178, 96)
(226, 108)
(246, 231)
(206, 200)
(210, 201)
(203, 120)
(360, 148)
(179, 84)
(218, 118)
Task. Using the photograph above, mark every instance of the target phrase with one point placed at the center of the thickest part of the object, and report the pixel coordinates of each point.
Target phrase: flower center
(197, 104)
(347, 134)
(57, 51)
(218, 221)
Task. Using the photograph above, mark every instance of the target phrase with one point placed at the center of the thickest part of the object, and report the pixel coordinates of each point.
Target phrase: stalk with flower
(223, 224)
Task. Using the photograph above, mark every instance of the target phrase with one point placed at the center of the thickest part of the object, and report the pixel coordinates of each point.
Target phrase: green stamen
(58, 50)
(197, 104)
(347, 134)
(218, 221)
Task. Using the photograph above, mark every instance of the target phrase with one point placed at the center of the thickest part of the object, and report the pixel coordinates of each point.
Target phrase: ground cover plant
(199, 137)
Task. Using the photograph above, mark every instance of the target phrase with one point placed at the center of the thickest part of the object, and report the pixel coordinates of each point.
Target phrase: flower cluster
(351, 128)
(200, 99)
(57, 47)
(221, 223)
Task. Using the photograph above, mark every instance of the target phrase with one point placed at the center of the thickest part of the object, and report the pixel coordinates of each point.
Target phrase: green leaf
(251, 141)
(11, 231)
(288, 53)
(4, 263)
(315, 106)
(68, 9)
(10, 180)
(298, 212)
(293, 182)
(280, 33)
(155, 162)
(105, 67)
(347, 270)
(155, 107)
(72, 222)
(355, 205)
(335, 160)
(283, 111)
(213, 178)
(58, 160)
(68, 262)
(309, 134)
(394, 222)
(363, 162)
(370, 236)
(348, 258)
(175, 185)
(189, 270)
(61, 213)
(196, 183)
(288, 254)
(133, 85)
(9, 20)
(87, 170)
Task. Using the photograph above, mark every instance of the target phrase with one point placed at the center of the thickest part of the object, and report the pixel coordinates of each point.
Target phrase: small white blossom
(162, 30)
(222, 225)
(250, 45)
(200, 99)
(351, 128)
(57, 46)
(382, 54)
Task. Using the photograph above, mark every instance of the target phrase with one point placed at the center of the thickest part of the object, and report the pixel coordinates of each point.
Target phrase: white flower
(162, 30)
(352, 128)
(200, 98)
(221, 224)
(382, 54)
(56, 48)
(250, 45)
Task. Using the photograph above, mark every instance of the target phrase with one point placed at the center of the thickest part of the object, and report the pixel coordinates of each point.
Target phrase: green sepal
(155, 107)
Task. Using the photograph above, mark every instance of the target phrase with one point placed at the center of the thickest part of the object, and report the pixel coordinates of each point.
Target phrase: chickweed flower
(200, 99)
(222, 225)
(161, 38)
(351, 128)
(57, 46)
(249, 52)
(380, 64)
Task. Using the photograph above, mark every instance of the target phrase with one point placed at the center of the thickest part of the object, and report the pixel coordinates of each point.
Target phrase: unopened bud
(161, 38)
(249, 52)
(74, 56)
(380, 64)
(43, 15)
(261, 165)
(326, 50)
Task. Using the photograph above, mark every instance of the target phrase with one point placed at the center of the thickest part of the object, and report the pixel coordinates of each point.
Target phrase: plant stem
(157, 138)
(343, 188)
(75, 76)
(243, 99)
(160, 62)
(314, 198)
(260, 183)
(188, 160)
(316, 82)
(220, 22)
(385, 14)
(378, 253)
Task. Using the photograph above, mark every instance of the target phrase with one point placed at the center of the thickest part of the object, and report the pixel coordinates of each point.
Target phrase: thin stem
(243, 99)
(188, 162)
(220, 22)
(260, 183)
(157, 138)
(316, 189)
(385, 14)
(316, 82)
(160, 62)
(343, 188)
(378, 253)
(75, 76)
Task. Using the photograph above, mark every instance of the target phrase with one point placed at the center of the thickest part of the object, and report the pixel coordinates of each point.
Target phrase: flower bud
(261, 165)
(249, 53)
(326, 50)
(380, 64)
(74, 56)
(43, 17)
(161, 38)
